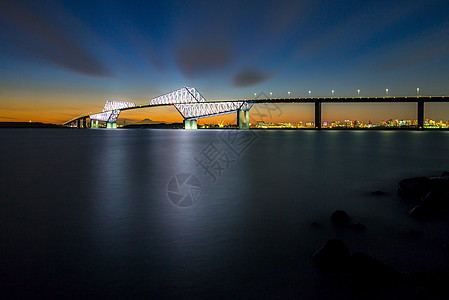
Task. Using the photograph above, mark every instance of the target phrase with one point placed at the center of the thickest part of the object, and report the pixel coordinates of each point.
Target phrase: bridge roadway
(420, 100)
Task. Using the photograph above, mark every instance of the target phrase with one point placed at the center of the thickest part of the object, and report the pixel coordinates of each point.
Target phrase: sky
(60, 59)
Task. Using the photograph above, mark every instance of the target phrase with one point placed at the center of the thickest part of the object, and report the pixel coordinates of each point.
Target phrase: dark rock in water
(315, 225)
(363, 272)
(434, 282)
(431, 193)
(332, 256)
(340, 217)
(422, 293)
(437, 198)
(419, 212)
(358, 227)
(440, 183)
(411, 232)
(413, 189)
(378, 193)
(367, 272)
(445, 173)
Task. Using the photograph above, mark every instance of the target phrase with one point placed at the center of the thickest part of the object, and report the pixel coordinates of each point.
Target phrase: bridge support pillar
(190, 124)
(243, 119)
(84, 123)
(111, 125)
(420, 114)
(317, 115)
(93, 123)
(78, 124)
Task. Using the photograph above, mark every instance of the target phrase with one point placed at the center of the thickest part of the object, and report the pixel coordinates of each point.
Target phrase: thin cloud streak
(44, 39)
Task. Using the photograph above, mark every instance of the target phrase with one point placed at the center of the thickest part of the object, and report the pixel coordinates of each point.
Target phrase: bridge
(193, 106)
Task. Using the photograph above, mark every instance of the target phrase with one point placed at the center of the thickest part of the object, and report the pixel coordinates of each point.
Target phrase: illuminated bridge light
(202, 110)
(111, 111)
(179, 96)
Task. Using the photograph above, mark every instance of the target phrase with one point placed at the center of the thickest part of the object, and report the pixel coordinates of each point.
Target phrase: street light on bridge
(417, 91)
(310, 92)
(386, 92)
(358, 92)
(271, 94)
(333, 93)
(288, 94)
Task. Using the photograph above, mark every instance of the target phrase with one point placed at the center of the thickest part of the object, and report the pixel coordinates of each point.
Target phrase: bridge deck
(386, 99)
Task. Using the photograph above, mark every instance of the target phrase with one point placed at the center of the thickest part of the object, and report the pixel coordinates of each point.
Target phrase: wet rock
(433, 282)
(421, 293)
(411, 233)
(332, 256)
(446, 247)
(315, 225)
(358, 227)
(437, 198)
(413, 189)
(368, 272)
(441, 183)
(340, 217)
(378, 193)
(419, 212)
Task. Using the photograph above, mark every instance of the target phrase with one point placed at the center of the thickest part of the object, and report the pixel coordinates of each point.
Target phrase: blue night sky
(62, 58)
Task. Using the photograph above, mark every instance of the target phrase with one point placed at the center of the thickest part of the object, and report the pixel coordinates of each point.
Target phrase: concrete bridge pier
(243, 119)
(78, 123)
(84, 123)
(190, 124)
(420, 114)
(318, 115)
(111, 125)
(93, 123)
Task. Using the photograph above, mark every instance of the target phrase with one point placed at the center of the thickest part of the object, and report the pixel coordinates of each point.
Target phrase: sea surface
(107, 212)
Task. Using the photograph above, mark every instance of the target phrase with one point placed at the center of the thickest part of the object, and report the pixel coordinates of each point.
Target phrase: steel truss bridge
(192, 106)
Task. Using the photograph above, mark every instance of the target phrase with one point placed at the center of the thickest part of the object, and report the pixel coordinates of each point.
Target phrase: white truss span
(104, 116)
(203, 110)
(180, 96)
(188, 101)
(111, 111)
(113, 105)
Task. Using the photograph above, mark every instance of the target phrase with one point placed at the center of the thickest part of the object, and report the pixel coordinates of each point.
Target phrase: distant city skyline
(59, 59)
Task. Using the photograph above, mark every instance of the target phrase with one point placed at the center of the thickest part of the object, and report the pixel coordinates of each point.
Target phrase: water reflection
(107, 224)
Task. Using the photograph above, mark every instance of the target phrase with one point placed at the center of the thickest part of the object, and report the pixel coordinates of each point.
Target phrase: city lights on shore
(348, 124)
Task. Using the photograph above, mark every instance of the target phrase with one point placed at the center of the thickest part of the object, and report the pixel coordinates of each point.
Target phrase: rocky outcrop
(431, 195)
(360, 269)
(413, 189)
(332, 256)
(340, 217)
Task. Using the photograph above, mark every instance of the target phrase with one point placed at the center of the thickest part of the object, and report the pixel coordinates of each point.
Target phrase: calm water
(87, 212)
